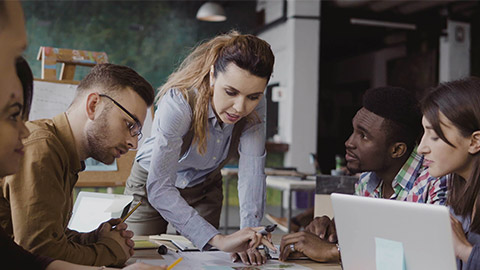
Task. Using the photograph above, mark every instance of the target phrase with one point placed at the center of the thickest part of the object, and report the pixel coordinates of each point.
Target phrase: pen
(129, 213)
(174, 263)
(267, 229)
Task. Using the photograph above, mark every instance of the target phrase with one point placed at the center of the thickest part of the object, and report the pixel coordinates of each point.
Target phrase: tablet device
(93, 208)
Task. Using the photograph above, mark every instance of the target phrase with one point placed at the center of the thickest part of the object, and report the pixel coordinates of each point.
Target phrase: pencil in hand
(131, 211)
(128, 214)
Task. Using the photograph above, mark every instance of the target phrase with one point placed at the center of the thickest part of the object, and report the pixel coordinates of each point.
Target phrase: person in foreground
(382, 146)
(451, 146)
(35, 204)
(210, 109)
(14, 108)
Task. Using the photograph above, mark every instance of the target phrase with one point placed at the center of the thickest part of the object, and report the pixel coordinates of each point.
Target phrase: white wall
(455, 52)
(296, 45)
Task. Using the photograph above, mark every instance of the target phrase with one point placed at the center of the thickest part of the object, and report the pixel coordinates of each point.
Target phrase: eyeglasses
(136, 128)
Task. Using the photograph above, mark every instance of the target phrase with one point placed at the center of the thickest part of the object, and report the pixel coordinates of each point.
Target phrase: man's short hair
(401, 110)
(112, 77)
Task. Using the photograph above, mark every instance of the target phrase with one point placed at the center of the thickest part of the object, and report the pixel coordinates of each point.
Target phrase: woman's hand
(250, 257)
(462, 247)
(240, 241)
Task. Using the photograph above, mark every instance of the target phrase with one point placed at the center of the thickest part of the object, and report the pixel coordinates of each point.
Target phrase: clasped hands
(318, 242)
(120, 234)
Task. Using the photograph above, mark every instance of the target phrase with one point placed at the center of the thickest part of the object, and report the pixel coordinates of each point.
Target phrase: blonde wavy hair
(246, 51)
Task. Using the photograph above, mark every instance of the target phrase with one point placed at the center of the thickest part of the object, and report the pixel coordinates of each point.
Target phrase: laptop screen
(370, 229)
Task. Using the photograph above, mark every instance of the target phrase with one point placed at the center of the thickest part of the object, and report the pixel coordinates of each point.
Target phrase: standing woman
(451, 144)
(211, 108)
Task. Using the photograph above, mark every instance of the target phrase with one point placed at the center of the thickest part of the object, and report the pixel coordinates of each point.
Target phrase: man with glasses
(135, 127)
(104, 121)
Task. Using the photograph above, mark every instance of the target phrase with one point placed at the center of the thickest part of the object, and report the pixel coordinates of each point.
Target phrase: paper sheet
(215, 260)
(50, 99)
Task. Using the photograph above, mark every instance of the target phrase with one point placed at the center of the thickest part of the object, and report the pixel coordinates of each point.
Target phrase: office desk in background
(328, 184)
(287, 185)
(284, 180)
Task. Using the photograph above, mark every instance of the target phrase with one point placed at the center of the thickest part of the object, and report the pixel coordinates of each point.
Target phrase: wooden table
(152, 254)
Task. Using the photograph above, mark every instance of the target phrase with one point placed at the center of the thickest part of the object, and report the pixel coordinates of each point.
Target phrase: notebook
(179, 241)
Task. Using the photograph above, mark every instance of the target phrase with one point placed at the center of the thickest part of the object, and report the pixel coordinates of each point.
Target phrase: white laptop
(93, 208)
(372, 232)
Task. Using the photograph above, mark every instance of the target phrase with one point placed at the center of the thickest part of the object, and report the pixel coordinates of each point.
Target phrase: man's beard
(97, 140)
(353, 171)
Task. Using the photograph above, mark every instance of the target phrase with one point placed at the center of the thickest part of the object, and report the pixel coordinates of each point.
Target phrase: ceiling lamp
(211, 12)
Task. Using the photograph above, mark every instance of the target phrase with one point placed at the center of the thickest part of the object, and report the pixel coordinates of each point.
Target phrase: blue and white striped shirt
(159, 156)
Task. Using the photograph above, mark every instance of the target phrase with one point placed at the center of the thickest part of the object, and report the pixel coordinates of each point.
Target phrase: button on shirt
(159, 155)
(412, 183)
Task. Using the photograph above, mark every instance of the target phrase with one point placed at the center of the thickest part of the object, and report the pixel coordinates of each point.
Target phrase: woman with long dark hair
(451, 144)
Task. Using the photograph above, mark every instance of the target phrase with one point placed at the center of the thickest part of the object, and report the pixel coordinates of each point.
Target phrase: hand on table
(250, 257)
(310, 245)
(240, 241)
(324, 227)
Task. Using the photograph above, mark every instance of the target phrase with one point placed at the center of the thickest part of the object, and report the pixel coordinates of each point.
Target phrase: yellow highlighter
(174, 263)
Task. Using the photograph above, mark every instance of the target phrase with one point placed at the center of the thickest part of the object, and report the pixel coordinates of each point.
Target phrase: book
(179, 241)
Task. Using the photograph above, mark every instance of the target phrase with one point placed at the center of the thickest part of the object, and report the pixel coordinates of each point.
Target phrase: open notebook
(179, 241)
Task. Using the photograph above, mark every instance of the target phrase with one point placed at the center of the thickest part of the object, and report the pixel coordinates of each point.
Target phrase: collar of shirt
(65, 135)
(404, 179)
(212, 118)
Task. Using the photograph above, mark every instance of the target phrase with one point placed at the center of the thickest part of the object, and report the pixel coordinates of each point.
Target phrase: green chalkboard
(152, 37)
